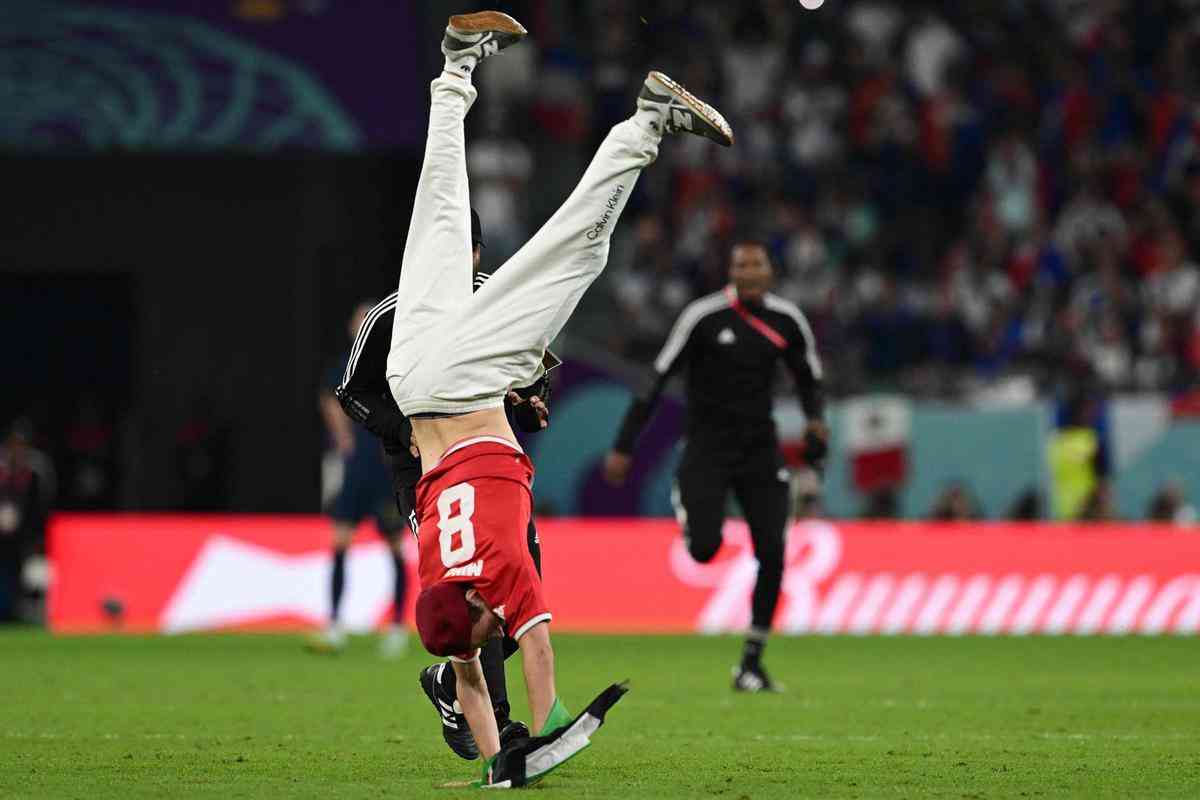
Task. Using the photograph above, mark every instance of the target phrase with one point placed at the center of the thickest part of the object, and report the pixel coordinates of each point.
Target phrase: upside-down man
(454, 357)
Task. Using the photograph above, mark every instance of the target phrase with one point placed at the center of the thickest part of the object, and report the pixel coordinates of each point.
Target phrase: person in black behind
(728, 344)
(27, 487)
(367, 399)
(365, 492)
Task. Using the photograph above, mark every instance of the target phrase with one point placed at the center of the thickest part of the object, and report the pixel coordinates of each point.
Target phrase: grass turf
(255, 717)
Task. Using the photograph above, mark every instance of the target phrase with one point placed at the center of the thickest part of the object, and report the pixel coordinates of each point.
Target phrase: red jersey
(473, 513)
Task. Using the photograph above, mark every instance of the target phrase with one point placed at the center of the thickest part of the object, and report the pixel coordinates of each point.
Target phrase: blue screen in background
(200, 75)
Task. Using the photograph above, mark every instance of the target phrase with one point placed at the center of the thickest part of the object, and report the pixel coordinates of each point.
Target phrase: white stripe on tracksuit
(364, 333)
(681, 331)
(777, 303)
(454, 351)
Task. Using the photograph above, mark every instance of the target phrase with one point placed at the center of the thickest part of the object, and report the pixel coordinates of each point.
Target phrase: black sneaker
(455, 730)
(480, 35)
(753, 679)
(511, 730)
(683, 112)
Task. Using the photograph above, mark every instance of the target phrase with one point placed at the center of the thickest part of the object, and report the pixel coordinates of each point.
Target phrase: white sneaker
(683, 112)
(480, 35)
(330, 640)
(394, 643)
(753, 680)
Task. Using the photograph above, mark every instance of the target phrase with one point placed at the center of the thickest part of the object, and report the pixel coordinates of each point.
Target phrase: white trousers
(454, 351)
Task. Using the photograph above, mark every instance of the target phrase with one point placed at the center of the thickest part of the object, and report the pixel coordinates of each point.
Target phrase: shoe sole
(698, 106)
(485, 21)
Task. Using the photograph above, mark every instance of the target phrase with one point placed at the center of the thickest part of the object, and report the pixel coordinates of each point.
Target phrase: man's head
(476, 241)
(357, 316)
(19, 438)
(750, 270)
(453, 618)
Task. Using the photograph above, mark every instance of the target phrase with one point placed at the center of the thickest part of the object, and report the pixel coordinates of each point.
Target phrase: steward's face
(750, 271)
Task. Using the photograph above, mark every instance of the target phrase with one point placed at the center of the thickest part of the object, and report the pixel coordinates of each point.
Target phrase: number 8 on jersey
(454, 520)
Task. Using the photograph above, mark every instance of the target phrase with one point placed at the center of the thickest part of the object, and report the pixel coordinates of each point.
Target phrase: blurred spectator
(932, 46)
(1170, 505)
(500, 166)
(650, 295)
(88, 465)
(203, 450)
(882, 504)
(1101, 504)
(1012, 176)
(874, 26)
(813, 107)
(1090, 223)
(955, 504)
(1172, 287)
(1078, 464)
(1027, 507)
(752, 62)
(27, 488)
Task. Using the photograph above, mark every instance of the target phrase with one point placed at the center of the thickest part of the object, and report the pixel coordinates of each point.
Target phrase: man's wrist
(486, 773)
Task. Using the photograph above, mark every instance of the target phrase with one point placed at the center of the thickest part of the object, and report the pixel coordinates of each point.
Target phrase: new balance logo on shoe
(681, 118)
(491, 48)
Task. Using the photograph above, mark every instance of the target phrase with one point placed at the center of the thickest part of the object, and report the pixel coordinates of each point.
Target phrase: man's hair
(443, 619)
(751, 241)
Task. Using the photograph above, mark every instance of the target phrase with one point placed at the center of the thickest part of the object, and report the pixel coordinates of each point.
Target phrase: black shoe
(753, 678)
(511, 730)
(455, 730)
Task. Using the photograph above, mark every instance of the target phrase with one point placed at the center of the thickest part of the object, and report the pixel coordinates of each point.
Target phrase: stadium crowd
(955, 192)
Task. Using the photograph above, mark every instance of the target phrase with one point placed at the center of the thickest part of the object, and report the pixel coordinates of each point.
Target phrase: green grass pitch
(247, 716)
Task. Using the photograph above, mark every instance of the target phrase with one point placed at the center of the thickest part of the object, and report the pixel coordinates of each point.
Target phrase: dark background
(183, 291)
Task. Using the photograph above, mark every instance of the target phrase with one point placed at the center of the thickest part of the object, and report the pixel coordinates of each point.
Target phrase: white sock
(650, 119)
(463, 66)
